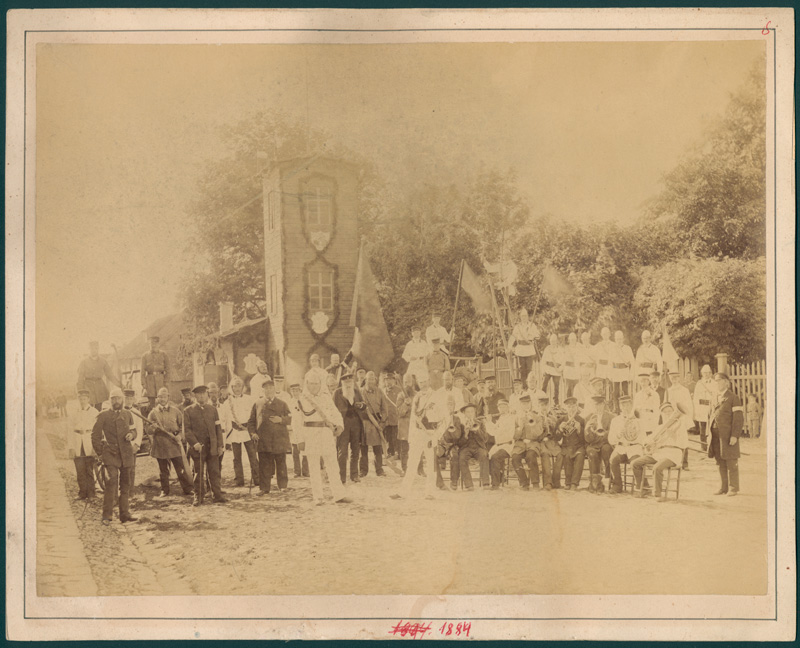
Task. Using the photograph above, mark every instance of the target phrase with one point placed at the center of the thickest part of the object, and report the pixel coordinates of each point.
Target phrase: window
(273, 294)
(318, 207)
(320, 290)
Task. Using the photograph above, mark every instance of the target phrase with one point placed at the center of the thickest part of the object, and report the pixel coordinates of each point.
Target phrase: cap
(155, 338)
(542, 396)
(624, 399)
(674, 372)
(186, 391)
(84, 392)
(293, 385)
(655, 373)
(488, 378)
(667, 404)
(116, 393)
(570, 399)
(278, 377)
(268, 381)
(480, 381)
(644, 374)
(598, 399)
(128, 392)
(596, 381)
(466, 405)
(348, 375)
(525, 398)
(200, 389)
(436, 339)
(516, 381)
(502, 401)
(719, 375)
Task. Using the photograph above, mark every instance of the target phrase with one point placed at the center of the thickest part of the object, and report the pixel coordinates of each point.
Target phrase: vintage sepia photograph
(390, 315)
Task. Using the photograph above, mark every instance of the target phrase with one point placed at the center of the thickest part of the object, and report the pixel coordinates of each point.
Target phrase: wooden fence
(749, 382)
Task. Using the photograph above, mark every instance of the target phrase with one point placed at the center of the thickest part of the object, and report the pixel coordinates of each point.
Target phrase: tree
(708, 306)
(715, 199)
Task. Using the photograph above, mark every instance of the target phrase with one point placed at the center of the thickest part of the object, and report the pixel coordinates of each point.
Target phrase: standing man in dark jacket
(112, 434)
(155, 370)
(165, 444)
(204, 435)
(349, 402)
(91, 372)
(268, 430)
(726, 424)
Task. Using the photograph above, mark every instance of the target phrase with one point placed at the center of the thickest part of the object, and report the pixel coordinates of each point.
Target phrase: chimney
(225, 316)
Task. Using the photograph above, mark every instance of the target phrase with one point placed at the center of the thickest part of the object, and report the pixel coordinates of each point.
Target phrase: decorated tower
(311, 256)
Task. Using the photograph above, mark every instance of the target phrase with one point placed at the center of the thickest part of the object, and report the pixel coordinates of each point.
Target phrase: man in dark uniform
(112, 434)
(204, 435)
(155, 370)
(489, 407)
(474, 443)
(186, 392)
(598, 449)
(268, 430)
(438, 360)
(349, 402)
(573, 447)
(726, 424)
(91, 371)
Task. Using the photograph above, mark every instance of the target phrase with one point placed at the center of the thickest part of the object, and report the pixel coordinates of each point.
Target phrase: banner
(372, 346)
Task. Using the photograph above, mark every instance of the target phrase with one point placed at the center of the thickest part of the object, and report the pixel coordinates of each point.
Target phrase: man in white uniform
(648, 357)
(503, 431)
(572, 361)
(704, 400)
(416, 353)
(679, 394)
(234, 414)
(436, 330)
(622, 362)
(522, 343)
(647, 404)
(79, 444)
(322, 423)
(258, 380)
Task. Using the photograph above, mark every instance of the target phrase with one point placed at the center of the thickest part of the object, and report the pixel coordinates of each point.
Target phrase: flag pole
(455, 307)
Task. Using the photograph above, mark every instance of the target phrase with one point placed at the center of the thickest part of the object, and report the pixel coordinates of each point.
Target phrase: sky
(123, 133)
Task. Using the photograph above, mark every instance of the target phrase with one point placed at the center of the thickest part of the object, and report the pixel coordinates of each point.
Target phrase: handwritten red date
(418, 630)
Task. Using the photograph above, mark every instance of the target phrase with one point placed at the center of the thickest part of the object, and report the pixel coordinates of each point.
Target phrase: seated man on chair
(448, 447)
(598, 450)
(474, 447)
(663, 450)
(573, 447)
(626, 436)
(529, 446)
(500, 452)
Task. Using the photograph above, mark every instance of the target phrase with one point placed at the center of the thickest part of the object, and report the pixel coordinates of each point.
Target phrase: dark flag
(477, 292)
(372, 346)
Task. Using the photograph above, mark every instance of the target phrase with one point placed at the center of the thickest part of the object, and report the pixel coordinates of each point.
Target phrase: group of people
(430, 418)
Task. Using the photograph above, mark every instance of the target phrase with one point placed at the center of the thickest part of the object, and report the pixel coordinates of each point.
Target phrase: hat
(502, 401)
(644, 374)
(436, 339)
(268, 381)
(542, 396)
(186, 391)
(293, 385)
(200, 389)
(155, 338)
(705, 367)
(525, 398)
(480, 381)
(115, 393)
(598, 399)
(143, 401)
(570, 399)
(488, 378)
(128, 392)
(666, 404)
(624, 399)
(719, 375)
(347, 375)
(466, 405)
(594, 381)
(674, 372)
(516, 381)
(415, 328)
(655, 373)
(278, 377)
(84, 392)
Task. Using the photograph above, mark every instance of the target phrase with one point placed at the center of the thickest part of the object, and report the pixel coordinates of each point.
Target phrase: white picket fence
(750, 380)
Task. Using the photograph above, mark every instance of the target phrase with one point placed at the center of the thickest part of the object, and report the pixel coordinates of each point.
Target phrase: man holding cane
(204, 435)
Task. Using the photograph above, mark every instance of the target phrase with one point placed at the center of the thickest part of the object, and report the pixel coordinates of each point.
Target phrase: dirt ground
(482, 542)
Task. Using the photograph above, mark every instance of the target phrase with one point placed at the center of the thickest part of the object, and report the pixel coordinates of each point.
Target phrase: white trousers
(418, 442)
(321, 443)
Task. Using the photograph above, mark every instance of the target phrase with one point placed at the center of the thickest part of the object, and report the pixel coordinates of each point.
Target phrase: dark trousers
(298, 471)
(525, 366)
(616, 471)
(532, 457)
(464, 455)
(390, 432)
(349, 443)
(599, 459)
(238, 466)
(702, 428)
(119, 480)
(454, 469)
(570, 386)
(403, 448)
(84, 471)
(556, 380)
(618, 389)
(212, 466)
(377, 451)
(728, 474)
(133, 476)
(163, 475)
(573, 469)
(272, 463)
(497, 467)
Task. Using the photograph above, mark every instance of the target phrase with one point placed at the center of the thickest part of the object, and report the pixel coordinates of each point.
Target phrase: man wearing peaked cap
(155, 370)
(726, 423)
(203, 430)
(79, 444)
(704, 400)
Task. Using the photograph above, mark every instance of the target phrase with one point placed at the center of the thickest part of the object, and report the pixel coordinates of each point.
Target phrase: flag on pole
(372, 346)
(555, 283)
(471, 284)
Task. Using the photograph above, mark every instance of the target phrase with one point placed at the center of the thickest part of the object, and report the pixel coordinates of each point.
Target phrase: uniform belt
(648, 364)
(602, 361)
(315, 424)
(621, 365)
(523, 341)
(704, 402)
(570, 364)
(555, 365)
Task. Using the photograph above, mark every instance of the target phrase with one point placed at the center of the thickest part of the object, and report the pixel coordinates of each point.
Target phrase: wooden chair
(669, 486)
